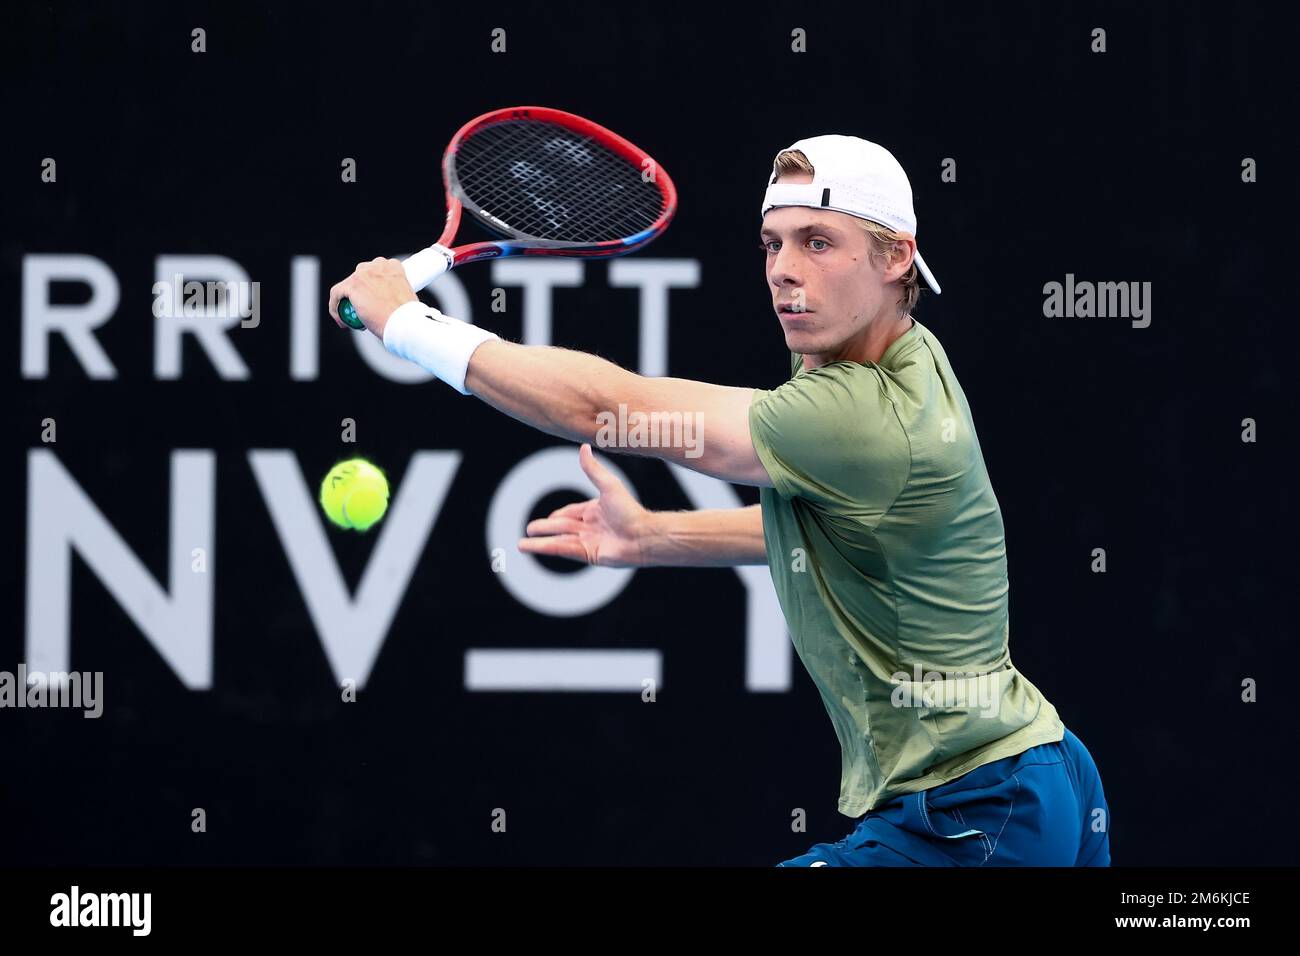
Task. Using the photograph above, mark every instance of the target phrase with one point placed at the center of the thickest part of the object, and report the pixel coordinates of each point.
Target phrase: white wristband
(437, 343)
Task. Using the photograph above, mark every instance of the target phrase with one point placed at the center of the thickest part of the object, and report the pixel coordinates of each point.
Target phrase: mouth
(788, 311)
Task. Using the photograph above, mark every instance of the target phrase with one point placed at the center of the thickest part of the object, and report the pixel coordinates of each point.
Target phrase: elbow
(576, 418)
(595, 405)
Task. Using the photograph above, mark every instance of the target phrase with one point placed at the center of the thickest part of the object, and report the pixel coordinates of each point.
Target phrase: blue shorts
(1043, 807)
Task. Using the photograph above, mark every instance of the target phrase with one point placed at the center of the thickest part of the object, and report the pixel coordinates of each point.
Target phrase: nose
(784, 267)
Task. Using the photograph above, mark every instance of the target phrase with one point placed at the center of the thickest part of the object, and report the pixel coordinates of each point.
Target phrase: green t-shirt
(886, 546)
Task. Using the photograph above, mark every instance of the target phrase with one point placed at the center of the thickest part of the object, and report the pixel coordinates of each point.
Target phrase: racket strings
(551, 183)
(545, 181)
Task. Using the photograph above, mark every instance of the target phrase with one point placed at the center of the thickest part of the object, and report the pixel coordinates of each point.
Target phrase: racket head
(553, 183)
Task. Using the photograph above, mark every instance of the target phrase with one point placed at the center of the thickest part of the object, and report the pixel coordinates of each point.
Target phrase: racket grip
(421, 269)
(349, 315)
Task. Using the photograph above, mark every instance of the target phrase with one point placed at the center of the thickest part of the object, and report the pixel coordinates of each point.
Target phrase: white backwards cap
(856, 177)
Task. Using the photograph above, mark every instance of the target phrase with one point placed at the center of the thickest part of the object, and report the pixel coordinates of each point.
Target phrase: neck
(867, 346)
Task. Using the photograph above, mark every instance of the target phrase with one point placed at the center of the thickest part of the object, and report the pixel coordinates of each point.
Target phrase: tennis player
(876, 518)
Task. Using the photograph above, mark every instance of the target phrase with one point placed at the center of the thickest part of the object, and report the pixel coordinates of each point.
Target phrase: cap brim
(927, 274)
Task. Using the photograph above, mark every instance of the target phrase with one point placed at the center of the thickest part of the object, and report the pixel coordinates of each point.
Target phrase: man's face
(826, 286)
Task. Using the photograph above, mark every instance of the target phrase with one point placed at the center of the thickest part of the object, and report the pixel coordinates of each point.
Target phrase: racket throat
(427, 264)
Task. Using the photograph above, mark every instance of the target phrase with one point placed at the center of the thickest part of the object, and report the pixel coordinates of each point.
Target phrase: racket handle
(421, 269)
(349, 315)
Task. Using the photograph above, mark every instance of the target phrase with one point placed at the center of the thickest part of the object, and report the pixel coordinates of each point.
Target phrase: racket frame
(424, 266)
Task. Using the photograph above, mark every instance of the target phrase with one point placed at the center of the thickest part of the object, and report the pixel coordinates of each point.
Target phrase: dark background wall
(1122, 166)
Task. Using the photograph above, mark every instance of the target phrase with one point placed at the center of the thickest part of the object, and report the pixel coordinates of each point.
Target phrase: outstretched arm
(712, 538)
(579, 396)
(614, 530)
(562, 392)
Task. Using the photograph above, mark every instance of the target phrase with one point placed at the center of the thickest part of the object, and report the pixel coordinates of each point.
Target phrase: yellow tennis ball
(354, 494)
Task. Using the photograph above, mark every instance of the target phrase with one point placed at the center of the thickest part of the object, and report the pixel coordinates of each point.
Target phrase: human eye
(824, 242)
(768, 242)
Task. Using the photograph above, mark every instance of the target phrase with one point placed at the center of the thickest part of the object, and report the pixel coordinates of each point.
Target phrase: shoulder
(830, 432)
(836, 381)
(845, 398)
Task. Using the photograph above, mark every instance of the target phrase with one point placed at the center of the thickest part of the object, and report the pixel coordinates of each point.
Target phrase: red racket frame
(544, 247)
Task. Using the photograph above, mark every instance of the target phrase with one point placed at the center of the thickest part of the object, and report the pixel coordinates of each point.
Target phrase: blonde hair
(881, 238)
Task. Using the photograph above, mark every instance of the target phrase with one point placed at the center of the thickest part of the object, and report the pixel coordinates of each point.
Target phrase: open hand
(605, 531)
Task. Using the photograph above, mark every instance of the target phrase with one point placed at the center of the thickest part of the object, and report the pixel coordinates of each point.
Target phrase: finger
(576, 510)
(600, 476)
(540, 526)
(336, 295)
(564, 546)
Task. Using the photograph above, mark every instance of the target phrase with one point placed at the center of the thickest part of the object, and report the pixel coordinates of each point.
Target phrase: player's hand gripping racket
(552, 183)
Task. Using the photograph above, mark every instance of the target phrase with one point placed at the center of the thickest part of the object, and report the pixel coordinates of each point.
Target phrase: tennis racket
(551, 183)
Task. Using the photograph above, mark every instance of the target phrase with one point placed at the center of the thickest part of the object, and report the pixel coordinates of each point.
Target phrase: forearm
(711, 538)
(581, 397)
(558, 391)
